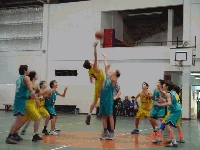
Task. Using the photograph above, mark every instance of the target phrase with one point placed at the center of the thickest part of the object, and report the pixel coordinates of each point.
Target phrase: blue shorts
(173, 118)
(19, 107)
(158, 112)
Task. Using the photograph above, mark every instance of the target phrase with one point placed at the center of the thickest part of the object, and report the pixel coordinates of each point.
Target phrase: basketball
(99, 34)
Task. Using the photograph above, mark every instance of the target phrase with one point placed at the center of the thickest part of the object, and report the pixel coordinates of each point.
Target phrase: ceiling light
(197, 78)
(152, 13)
(195, 74)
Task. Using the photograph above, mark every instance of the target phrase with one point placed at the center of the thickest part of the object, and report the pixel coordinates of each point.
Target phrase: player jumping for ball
(95, 72)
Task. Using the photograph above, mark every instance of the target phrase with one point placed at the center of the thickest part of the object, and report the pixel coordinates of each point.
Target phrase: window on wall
(66, 73)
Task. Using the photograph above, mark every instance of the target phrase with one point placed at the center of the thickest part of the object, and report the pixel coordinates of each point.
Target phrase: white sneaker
(57, 130)
(53, 133)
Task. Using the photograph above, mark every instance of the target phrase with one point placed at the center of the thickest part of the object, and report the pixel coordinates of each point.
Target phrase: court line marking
(59, 147)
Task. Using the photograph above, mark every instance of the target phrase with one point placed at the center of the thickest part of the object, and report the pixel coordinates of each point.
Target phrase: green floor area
(76, 123)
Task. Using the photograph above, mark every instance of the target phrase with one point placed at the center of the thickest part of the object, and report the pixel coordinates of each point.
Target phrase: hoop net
(179, 64)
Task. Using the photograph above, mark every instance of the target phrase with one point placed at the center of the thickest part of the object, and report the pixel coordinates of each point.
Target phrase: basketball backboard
(185, 55)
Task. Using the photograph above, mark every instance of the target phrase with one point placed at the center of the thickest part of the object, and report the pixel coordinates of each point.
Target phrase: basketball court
(76, 135)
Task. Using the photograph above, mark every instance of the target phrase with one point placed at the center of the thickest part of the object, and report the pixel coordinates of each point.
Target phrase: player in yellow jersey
(41, 109)
(145, 108)
(95, 73)
(31, 113)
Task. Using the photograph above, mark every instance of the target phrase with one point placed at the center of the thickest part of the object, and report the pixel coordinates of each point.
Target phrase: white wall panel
(9, 67)
(106, 20)
(105, 5)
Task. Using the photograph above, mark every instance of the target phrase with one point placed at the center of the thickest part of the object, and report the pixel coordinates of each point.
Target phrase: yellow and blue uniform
(168, 113)
(173, 116)
(146, 103)
(157, 111)
(49, 104)
(99, 79)
(31, 113)
(21, 95)
(42, 110)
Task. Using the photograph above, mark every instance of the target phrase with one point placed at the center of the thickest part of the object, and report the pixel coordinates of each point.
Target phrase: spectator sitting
(126, 105)
(132, 106)
(120, 108)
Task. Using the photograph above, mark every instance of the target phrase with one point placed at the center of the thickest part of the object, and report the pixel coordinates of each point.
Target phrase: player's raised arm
(107, 66)
(95, 58)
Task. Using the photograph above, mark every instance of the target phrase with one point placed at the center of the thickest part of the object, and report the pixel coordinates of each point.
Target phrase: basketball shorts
(174, 119)
(43, 112)
(143, 113)
(167, 115)
(31, 113)
(19, 107)
(106, 109)
(158, 112)
(51, 111)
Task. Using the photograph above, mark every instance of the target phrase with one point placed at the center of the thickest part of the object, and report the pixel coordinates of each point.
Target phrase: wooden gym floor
(76, 135)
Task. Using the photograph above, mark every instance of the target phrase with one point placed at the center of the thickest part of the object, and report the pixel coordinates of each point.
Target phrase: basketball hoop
(179, 64)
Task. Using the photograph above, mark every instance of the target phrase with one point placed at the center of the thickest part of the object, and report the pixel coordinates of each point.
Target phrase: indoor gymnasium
(99, 74)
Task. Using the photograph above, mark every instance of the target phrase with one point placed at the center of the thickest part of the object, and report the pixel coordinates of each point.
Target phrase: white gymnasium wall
(195, 24)
(128, 4)
(9, 73)
(106, 20)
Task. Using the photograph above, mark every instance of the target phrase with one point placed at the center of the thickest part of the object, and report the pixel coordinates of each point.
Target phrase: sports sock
(10, 135)
(45, 127)
(15, 134)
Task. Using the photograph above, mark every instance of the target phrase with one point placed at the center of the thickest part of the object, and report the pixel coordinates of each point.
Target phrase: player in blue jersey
(49, 105)
(158, 112)
(23, 89)
(107, 100)
(175, 111)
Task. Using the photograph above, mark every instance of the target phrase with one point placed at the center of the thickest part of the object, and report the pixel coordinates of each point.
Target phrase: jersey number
(18, 86)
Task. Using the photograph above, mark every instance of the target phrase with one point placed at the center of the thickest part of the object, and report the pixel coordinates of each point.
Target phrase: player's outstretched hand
(104, 55)
(95, 44)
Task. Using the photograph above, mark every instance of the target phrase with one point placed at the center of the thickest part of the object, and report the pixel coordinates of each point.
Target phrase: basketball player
(175, 111)
(107, 100)
(23, 88)
(145, 108)
(49, 105)
(41, 109)
(158, 112)
(31, 113)
(95, 72)
(162, 126)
